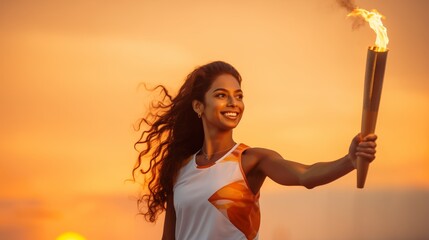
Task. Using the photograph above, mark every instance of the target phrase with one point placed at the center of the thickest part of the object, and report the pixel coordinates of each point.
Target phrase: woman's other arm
(170, 220)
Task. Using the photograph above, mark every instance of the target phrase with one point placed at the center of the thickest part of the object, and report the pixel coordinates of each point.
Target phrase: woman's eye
(239, 97)
(220, 95)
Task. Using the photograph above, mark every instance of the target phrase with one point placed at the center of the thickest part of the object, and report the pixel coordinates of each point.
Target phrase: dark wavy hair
(174, 132)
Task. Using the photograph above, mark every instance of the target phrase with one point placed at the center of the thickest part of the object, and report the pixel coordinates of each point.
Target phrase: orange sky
(69, 96)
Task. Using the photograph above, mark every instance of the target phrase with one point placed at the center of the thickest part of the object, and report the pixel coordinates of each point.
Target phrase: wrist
(350, 161)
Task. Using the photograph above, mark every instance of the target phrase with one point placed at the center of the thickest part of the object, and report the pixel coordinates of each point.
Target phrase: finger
(366, 150)
(367, 144)
(366, 156)
(370, 137)
(356, 138)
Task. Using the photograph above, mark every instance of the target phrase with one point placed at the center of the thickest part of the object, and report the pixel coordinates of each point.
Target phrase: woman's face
(223, 103)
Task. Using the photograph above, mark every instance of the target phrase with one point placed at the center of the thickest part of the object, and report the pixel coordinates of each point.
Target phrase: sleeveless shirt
(215, 202)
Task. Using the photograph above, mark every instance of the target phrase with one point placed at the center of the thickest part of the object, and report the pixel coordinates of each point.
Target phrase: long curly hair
(174, 132)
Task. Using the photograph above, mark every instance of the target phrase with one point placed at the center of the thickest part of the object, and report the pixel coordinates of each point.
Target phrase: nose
(232, 102)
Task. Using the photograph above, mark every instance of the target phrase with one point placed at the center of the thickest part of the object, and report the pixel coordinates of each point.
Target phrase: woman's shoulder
(260, 153)
(253, 157)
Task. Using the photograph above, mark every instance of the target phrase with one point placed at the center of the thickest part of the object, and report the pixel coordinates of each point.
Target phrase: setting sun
(70, 236)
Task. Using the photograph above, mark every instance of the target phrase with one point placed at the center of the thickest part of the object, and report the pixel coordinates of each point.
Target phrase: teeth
(231, 114)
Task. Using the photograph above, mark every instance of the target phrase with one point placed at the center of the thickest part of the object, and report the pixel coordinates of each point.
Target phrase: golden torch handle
(374, 75)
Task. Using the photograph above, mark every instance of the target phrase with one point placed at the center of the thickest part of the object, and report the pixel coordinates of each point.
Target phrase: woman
(206, 182)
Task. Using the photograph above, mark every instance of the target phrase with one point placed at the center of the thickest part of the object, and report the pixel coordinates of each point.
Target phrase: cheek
(242, 106)
(218, 104)
(214, 106)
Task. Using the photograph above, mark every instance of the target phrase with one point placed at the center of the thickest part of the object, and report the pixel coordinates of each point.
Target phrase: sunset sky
(70, 97)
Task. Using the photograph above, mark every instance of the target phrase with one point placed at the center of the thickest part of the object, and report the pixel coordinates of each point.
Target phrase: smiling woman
(207, 183)
(70, 236)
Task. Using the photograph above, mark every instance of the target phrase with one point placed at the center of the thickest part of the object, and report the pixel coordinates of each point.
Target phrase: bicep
(170, 220)
(281, 171)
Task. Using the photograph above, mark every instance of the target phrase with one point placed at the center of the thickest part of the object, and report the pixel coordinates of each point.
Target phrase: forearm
(325, 172)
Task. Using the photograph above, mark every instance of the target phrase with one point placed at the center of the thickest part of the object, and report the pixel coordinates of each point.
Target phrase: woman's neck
(217, 142)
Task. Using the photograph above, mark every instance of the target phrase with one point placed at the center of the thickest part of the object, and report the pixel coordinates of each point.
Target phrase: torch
(374, 75)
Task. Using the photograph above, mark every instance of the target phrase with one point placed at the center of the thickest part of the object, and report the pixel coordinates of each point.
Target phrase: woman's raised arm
(285, 172)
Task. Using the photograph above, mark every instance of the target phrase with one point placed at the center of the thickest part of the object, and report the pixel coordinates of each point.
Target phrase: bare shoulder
(253, 161)
(252, 157)
(260, 153)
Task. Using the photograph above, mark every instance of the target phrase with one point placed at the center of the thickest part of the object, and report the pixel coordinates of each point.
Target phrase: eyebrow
(225, 90)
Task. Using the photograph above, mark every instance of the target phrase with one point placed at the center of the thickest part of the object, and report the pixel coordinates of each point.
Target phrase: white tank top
(215, 202)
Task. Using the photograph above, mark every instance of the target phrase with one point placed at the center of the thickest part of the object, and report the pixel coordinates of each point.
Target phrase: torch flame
(373, 17)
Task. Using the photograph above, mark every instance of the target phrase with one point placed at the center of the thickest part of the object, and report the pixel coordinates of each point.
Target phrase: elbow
(307, 183)
(309, 186)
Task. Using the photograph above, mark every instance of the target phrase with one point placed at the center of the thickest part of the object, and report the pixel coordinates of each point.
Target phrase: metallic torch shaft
(374, 75)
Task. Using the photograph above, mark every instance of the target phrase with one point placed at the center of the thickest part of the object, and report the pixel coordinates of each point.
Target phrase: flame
(373, 17)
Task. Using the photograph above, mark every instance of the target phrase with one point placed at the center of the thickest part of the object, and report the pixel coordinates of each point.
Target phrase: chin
(230, 126)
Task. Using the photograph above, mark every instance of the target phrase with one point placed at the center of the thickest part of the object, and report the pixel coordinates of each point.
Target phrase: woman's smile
(231, 115)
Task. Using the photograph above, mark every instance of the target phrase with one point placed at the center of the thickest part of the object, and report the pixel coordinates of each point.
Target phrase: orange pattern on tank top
(235, 155)
(237, 203)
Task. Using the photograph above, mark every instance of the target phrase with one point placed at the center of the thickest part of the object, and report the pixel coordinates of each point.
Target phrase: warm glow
(373, 17)
(70, 236)
(70, 97)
